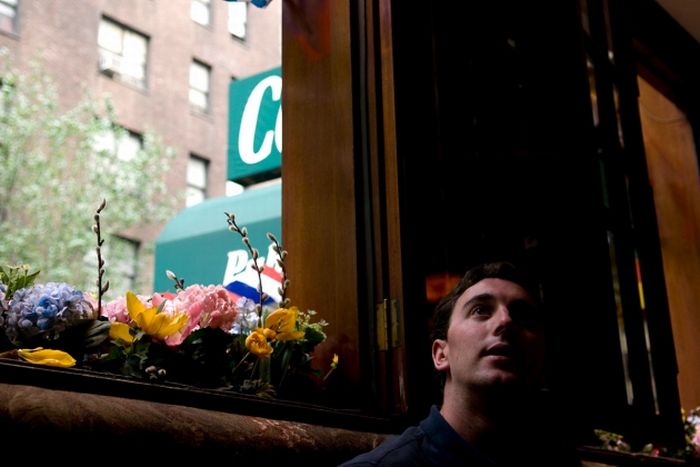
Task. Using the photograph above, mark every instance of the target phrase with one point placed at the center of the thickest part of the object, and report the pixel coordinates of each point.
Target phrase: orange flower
(283, 322)
(257, 344)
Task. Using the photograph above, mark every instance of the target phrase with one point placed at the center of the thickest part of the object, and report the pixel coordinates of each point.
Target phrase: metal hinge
(387, 324)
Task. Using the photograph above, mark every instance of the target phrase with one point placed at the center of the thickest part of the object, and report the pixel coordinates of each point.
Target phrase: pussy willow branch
(243, 232)
(282, 254)
(179, 283)
(100, 262)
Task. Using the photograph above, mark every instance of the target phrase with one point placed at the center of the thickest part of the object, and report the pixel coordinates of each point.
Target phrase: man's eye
(480, 310)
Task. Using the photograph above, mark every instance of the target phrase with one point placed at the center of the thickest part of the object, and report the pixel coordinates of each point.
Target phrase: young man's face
(495, 336)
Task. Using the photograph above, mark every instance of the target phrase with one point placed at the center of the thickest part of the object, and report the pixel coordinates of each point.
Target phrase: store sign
(255, 125)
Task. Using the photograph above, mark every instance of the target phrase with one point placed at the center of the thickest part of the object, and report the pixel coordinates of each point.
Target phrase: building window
(125, 144)
(200, 12)
(123, 53)
(197, 175)
(237, 19)
(8, 15)
(7, 93)
(200, 76)
(123, 254)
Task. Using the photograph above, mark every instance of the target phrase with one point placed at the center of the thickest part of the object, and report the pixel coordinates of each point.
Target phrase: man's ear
(440, 351)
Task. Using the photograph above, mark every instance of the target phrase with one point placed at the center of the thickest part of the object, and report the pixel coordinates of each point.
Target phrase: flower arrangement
(690, 450)
(691, 424)
(199, 335)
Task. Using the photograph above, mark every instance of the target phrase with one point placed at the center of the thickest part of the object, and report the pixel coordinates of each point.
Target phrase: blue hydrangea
(247, 318)
(3, 289)
(45, 309)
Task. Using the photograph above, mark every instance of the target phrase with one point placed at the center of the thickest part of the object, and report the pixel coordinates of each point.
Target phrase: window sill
(59, 410)
(50, 410)
(108, 384)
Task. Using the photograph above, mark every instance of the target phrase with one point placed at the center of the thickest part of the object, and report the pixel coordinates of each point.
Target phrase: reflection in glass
(624, 349)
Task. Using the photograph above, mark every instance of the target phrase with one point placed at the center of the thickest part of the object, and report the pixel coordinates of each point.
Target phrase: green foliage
(52, 175)
(15, 278)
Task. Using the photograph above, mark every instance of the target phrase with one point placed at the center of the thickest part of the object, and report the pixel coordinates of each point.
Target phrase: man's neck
(485, 418)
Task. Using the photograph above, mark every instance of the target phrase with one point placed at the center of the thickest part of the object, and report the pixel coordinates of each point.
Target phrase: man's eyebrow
(483, 297)
(487, 297)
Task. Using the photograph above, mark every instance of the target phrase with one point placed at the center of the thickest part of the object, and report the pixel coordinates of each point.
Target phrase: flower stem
(239, 363)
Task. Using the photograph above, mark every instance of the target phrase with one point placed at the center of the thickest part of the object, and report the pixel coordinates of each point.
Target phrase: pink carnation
(696, 440)
(116, 310)
(211, 306)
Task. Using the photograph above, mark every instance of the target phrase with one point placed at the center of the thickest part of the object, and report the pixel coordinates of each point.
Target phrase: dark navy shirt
(434, 442)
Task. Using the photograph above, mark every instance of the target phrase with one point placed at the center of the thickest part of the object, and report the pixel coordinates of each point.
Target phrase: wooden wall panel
(318, 192)
(673, 174)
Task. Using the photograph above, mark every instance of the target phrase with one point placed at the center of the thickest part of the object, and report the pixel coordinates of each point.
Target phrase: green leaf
(15, 278)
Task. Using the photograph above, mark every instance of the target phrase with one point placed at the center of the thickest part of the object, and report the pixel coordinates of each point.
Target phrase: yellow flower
(334, 365)
(160, 325)
(121, 331)
(284, 322)
(41, 356)
(257, 344)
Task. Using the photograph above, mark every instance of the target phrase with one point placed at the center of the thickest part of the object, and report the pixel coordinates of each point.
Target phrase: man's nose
(503, 319)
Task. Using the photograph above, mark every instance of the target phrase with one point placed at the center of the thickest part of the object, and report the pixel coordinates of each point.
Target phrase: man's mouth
(500, 349)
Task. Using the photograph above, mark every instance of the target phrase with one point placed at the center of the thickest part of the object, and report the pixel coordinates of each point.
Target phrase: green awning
(197, 245)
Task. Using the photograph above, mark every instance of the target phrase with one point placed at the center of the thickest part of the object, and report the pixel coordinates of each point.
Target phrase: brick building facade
(78, 43)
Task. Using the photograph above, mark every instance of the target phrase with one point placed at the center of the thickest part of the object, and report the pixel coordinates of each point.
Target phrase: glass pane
(109, 36)
(145, 189)
(105, 141)
(135, 47)
(123, 264)
(134, 69)
(198, 99)
(194, 196)
(237, 18)
(7, 11)
(129, 146)
(197, 172)
(199, 86)
(199, 12)
(199, 77)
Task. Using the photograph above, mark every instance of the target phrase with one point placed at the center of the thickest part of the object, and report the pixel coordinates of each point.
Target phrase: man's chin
(506, 379)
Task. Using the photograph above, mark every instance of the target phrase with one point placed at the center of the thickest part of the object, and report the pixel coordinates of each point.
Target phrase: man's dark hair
(496, 270)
